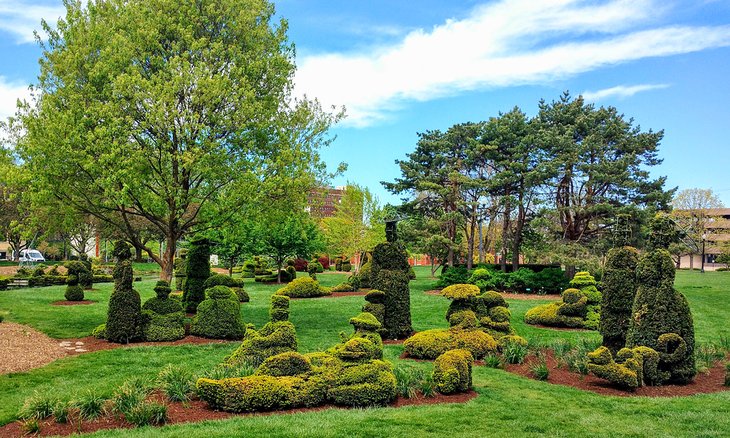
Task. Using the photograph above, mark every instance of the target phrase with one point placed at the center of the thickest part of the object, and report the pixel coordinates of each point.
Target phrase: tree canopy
(173, 112)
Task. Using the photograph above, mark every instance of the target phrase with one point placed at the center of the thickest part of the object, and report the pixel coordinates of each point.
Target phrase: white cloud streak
(621, 91)
(20, 18)
(501, 44)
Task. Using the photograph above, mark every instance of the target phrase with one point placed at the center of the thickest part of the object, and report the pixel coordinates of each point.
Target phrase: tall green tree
(600, 166)
(357, 225)
(691, 212)
(175, 112)
(18, 224)
(289, 235)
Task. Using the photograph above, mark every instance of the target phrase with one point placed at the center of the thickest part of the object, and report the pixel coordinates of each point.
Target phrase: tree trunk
(481, 243)
(168, 259)
(138, 254)
(505, 233)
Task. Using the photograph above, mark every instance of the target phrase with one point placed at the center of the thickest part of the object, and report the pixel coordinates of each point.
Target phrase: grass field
(507, 404)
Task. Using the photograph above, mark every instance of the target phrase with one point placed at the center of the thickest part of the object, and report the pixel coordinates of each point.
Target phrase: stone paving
(77, 347)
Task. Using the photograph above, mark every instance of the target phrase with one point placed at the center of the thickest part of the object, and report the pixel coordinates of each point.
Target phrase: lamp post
(702, 266)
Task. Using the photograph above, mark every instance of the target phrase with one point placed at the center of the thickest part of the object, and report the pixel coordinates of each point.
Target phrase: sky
(401, 67)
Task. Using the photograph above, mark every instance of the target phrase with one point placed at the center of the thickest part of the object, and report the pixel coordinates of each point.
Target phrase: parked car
(31, 255)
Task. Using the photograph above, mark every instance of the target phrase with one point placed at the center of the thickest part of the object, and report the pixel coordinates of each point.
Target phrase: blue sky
(402, 67)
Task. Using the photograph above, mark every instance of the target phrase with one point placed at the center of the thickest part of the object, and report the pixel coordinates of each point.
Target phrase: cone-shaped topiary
(661, 318)
(619, 291)
(74, 291)
(197, 270)
(219, 315)
(390, 275)
(124, 317)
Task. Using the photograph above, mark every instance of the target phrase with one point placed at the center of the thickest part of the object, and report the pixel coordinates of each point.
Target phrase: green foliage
(539, 369)
(219, 315)
(36, 407)
(727, 374)
(99, 332)
(460, 291)
(274, 338)
(74, 293)
(279, 309)
(365, 274)
(304, 287)
(74, 290)
(130, 394)
(90, 405)
(61, 411)
(147, 413)
(197, 271)
(513, 350)
(659, 310)
(285, 364)
(176, 382)
(619, 291)
(124, 316)
(452, 371)
(367, 384)
(454, 275)
(223, 280)
(579, 308)
(430, 344)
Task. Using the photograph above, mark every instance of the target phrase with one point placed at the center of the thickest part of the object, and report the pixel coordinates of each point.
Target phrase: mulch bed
(197, 410)
(704, 383)
(90, 343)
(23, 348)
(72, 303)
(510, 296)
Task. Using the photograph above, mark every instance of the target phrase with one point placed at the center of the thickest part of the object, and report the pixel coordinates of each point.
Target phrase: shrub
(522, 279)
(74, 291)
(124, 316)
(366, 384)
(460, 291)
(549, 281)
(99, 332)
(314, 267)
(4, 282)
(176, 382)
(453, 275)
(39, 272)
(343, 287)
(36, 407)
(430, 344)
(346, 266)
(277, 336)
(659, 310)
(304, 287)
(452, 371)
(325, 262)
(197, 271)
(180, 266)
(285, 364)
(300, 264)
(147, 413)
(547, 314)
(222, 280)
(279, 308)
(601, 363)
(365, 274)
(219, 316)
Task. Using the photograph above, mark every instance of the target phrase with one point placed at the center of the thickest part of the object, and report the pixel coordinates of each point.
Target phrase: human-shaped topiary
(365, 343)
(74, 291)
(236, 285)
(163, 317)
(197, 270)
(630, 369)
(580, 306)
(375, 305)
(619, 291)
(124, 317)
(86, 276)
(275, 337)
(390, 275)
(219, 315)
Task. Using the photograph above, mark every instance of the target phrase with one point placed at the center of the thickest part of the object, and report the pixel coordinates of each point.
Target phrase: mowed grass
(507, 404)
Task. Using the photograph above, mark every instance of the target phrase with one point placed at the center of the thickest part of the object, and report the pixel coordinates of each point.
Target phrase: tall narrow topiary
(180, 267)
(390, 275)
(74, 291)
(619, 291)
(86, 277)
(197, 270)
(660, 316)
(124, 317)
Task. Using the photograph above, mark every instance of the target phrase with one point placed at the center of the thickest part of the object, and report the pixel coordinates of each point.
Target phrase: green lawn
(507, 404)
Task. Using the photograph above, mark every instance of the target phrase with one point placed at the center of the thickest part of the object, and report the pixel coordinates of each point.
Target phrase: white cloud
(10, 92)
(506, 43)
(20, 18)
(621, 91)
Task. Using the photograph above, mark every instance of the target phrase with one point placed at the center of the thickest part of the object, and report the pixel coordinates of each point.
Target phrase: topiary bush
(163, 318)
(219, 315)
(619, 291)
(86, 275)
(661, 318)
(197, 271)
(580, 306)
(305, 287)
(124, 316)
(452, 371)
(236, 285)
(430, 344)
(180, 265)
(290, 363)
(390, 275)
(74, 290)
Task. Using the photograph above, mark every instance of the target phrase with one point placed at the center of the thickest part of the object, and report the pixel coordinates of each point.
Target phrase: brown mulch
(198, 410)
(704, 383)
(509, 295)
(23, 348)
(90, 343)
(72, 303)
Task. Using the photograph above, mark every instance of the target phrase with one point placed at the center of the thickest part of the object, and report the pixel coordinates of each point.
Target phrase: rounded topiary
(619, 291)
(290, 363)
(124, 316)
(460, 291)
(304, 287)
(452, 371)
(219, 315)
(74, 293)
(197, 271)
(74, 289)
(279, 308)
(162, 289)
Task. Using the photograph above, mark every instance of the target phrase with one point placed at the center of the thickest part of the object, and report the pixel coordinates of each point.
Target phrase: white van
(31, 255)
